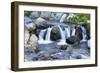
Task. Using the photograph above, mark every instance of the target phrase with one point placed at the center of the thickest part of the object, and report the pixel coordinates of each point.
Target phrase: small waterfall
(62, 18)
(67, 31)
(48, 34)
(62, 33)
(63, 39)
(41, 34)
(73, 32)
(47, 38)
(84, 33)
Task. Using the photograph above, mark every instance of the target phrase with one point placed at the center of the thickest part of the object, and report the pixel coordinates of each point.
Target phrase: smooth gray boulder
(41, 23)
(55, 34)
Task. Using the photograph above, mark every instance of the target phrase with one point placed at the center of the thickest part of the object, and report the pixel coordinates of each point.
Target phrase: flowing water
(53, 48)
(84, 33)
(66, 33)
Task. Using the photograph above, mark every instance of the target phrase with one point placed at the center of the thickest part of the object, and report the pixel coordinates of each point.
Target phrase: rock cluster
(34, 51)
(56, 52)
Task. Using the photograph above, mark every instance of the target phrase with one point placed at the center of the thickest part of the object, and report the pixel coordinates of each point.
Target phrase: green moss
(27, 13)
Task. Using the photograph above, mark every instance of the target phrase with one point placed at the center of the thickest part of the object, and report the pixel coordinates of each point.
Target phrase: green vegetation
(27, 13)
(78, 19)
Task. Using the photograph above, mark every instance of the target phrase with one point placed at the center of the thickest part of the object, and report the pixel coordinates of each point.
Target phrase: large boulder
(55, 33)
(30, 40)
(41, 23)
(72, 40)
(33, 41)
(78, 33)
(30, 26)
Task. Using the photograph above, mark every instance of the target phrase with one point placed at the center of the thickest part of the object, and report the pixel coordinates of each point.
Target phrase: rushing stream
(50, 48)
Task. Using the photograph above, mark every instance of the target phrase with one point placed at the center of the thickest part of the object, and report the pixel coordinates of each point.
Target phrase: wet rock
(78, 57)
(37, 50)
(28, 50)
(60, 55)
(63, 47)
(41, 23)
(72, 40)
(84, 51)
(88, 36)
(34, 14)
(84, 44)
(81, 53)
(55, 33)
(75, 55)
(37, 31)
(43, 55)
(34, 58)
(27, 20)
(78, 33)
(57, 55)
(31, 57)
(50, 48)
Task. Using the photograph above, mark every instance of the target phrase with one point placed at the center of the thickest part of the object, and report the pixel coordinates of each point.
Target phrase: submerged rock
(55, 33)
(61, 55)
(75, 55)
(31, 57)
(63, 47)
(43, 55)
